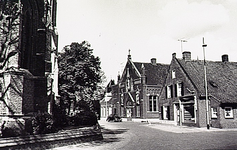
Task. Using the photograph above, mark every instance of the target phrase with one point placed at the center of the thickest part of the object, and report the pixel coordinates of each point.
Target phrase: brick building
(137, 91)
(183, 97)
(28, 57)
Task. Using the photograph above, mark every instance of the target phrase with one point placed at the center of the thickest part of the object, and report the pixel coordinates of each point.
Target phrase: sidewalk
(170, 126)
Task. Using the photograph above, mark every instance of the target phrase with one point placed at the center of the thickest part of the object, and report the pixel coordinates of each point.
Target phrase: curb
(46, 141)
(171, 126)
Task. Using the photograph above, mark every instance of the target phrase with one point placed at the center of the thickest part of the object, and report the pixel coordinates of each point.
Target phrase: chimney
(187, 55)
(153, 61)
(174, 55)
(225, 58)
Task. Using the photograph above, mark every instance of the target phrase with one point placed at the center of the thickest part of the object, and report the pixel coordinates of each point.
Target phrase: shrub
(84, 118)
(43, 123)
(60, 118)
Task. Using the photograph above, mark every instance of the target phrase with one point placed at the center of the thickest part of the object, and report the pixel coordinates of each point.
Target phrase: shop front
(185, 110)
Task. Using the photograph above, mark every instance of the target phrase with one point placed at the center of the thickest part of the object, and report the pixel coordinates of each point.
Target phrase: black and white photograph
(118, 74)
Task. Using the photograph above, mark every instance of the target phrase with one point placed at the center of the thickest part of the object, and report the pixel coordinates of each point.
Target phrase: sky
(149, 28)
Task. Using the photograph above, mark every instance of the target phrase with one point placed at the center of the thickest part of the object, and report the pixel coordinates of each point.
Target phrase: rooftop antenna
(181, 42)
(205, 80)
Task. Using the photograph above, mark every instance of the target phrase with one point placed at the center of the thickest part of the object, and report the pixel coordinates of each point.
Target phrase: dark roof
(109, 85)
(155, 74)
(221, 78)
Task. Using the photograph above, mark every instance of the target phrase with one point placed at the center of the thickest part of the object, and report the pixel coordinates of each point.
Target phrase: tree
(79, 74)
(10, 12)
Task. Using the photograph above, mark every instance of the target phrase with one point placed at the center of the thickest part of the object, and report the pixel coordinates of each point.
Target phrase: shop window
(228, 112)
(213, 112)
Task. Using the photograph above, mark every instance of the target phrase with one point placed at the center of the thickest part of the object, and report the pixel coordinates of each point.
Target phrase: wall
(28, 95)
(201, 117)
(228, 122)
(215, 122)
(180, 77)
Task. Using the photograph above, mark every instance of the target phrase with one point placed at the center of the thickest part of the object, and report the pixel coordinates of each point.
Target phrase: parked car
(114, 118)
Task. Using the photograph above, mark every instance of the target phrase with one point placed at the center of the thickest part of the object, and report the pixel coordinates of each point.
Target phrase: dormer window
(173, 74)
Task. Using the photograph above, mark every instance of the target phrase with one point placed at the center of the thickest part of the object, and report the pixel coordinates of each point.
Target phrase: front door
(188, 113)
(184, 113)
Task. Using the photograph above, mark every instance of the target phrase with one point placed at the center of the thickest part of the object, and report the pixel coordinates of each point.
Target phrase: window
(228, 112)
(121, 97)
(179, 89)
(213, 112)
(122, 111)
(173, 74)
(138, 111)
(169, 91)
(128, 85)
(152, 103)
(165, 112)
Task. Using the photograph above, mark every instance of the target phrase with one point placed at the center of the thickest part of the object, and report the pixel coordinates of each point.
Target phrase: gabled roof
(221, 78)
(155, 74)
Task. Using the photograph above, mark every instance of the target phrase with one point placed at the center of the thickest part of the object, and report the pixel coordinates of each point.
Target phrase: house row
(177, 91)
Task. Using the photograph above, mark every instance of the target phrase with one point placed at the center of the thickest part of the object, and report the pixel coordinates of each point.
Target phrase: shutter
(168, 112)
(171, 91)
(182, 89)
(162, 114)
(175, 90)
(166, 92)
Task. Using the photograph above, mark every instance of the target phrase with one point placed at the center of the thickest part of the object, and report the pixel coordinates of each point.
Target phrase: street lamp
(205, 80)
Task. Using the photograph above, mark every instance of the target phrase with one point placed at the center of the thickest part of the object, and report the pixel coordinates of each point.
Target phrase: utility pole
(205, 80)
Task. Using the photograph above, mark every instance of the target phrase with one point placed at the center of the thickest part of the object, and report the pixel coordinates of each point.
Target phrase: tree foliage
(10, 12)
(79, 73)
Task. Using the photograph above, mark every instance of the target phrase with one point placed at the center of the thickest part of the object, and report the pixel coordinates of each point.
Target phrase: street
(143, 136)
